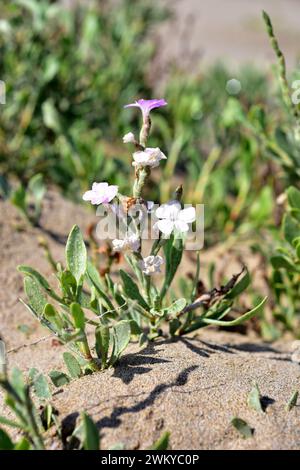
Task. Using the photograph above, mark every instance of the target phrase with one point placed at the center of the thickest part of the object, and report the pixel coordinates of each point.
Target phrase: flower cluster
(171, 217)
(134, 305)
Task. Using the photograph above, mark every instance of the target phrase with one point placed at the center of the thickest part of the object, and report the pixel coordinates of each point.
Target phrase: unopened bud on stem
(178, 193)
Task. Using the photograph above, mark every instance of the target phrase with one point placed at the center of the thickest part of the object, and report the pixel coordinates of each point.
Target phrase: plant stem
(145, 131)
(282, 73)
(37, 438)
(142, 175)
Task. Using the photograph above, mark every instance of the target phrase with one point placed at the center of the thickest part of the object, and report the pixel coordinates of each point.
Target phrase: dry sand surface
(191, 387)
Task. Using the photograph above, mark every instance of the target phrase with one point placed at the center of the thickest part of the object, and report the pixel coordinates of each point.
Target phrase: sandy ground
(206, 378)
(192, 388)
(231, 31)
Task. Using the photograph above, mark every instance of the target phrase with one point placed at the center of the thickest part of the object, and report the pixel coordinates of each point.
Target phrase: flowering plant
(134, 304)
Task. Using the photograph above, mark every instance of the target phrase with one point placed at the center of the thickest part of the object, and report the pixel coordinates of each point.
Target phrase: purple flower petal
(147, 105)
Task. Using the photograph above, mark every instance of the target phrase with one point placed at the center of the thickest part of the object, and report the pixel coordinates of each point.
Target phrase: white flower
(129, 138)
(148, 157)
(129, 243)
(151, 264)
(101, 193)
(174, 218)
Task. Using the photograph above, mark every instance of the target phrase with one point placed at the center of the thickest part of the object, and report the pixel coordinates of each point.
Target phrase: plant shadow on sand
(140, 363)
(134, 364)
(207, 348)
(114, 420)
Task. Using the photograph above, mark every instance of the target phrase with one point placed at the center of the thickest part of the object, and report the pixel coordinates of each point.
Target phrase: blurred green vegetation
(68, 74)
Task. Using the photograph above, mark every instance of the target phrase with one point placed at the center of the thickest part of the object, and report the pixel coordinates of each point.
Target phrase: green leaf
(283, 262)
(23, 444)
(76, 255)
(94, 275)
(135, 327)
(5, 441)
(113, 289)
(59, 378)
(176, 307)
(51, 68)
(32, 272)
(242, 427)
(90, 433)
(254, 399)
(122, 333)
(291, 228)
(51, 117)
(293, 195)
(35, 295)
(162, 443)
(292, 401)
(102, 335)
(239, 287)
(78, 316)
(53, 317)
(75, 336)
(238, 320)
(295, 213)
(143, 339)
(174, 325)
(33, 373)
(68, 285)
(39, 278)
(262, 207)
(84, 300)
(72, 364)
(95, 280)
(41, 387)
(131, 289)
(232, 113)
(18, 199)
(173, 252)
(48, 416)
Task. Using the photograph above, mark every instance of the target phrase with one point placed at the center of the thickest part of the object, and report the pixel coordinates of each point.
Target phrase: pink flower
(147, 105)
(101, 193)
